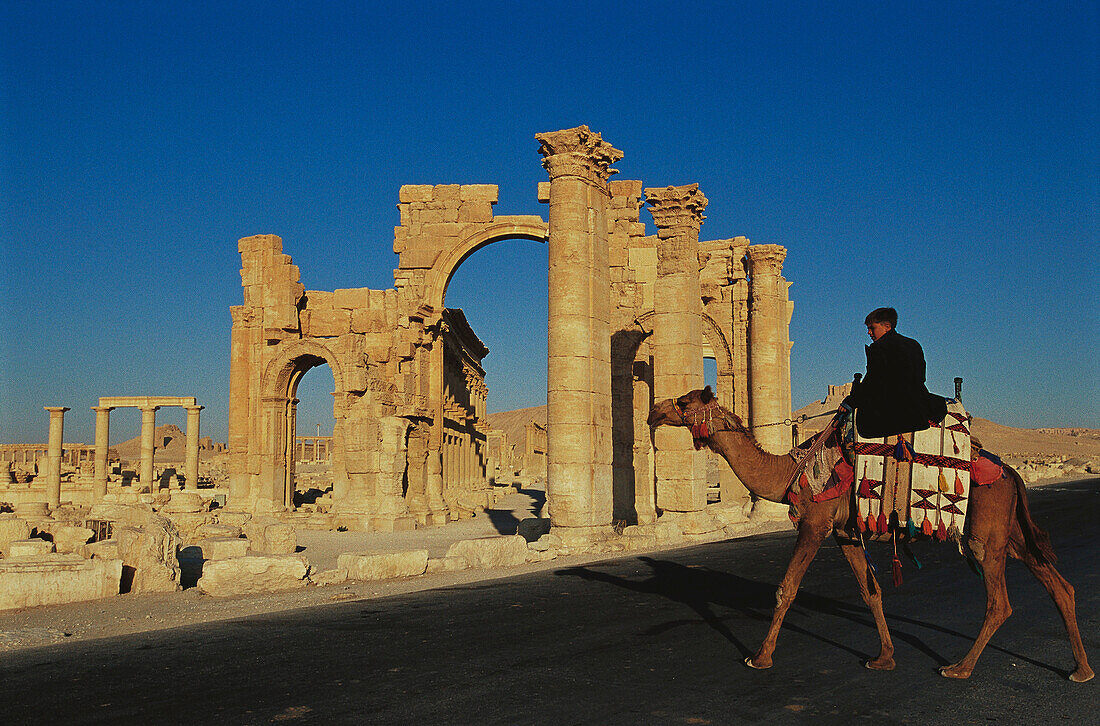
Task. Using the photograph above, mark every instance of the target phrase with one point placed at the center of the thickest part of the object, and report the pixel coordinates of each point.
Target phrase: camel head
(677, 411)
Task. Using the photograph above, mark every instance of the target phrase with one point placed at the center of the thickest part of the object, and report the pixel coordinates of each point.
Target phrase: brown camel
(998, 524)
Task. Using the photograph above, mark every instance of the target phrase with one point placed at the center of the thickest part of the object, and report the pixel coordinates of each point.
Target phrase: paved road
(637, 640)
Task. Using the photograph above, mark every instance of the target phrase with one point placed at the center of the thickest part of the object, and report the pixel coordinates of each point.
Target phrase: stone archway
(279, 384)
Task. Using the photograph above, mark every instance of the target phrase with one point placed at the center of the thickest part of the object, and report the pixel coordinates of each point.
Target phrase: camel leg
(867, 583)
(1062, 594)
(997, 610)
(809, 540)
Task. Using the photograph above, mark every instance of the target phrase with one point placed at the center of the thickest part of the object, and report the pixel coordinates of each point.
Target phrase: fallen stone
(223, 548)
(106, 549)
(12, 529)
(491, 551)
(280, 539)
(149, 552)
(52, 579)
(29, 548)
(365, 566)
(541, 556)
(68, 539)
(181, 501)
(253, 574)
(213, 529)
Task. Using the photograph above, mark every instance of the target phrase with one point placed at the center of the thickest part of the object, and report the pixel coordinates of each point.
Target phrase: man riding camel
(891, 398)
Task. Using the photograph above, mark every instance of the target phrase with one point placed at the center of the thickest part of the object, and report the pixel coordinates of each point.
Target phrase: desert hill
(170, 443)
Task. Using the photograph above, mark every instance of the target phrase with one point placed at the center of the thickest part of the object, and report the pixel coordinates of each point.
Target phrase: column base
(598, 538)
(699, 522)
(763, 510)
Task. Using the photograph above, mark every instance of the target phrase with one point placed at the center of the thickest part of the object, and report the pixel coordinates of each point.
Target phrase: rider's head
(880, 321)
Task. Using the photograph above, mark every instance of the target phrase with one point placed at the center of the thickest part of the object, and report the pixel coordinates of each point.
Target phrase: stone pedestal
(677, 343)
(102, 450)
(769, 354)
(579, 456)
(53, 477)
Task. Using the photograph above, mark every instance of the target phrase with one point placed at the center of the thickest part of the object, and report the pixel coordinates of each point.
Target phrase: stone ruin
(631, 318)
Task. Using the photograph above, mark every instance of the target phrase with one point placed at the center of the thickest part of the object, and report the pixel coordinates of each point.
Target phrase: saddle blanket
(919, 481)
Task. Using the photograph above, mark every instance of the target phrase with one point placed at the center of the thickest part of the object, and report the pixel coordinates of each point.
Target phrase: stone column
(191, 465)
(246, 321)
(578, 397)
(102, 450)
(677, 343)
(53, 453)
(769, 395)
(148, 426)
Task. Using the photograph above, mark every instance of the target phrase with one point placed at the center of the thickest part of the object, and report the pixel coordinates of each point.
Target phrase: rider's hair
(882, 315)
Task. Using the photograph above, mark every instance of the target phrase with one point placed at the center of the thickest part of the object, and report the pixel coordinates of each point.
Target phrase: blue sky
(939, 157)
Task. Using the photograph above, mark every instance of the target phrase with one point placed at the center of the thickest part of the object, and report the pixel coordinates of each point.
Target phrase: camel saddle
(917, 481)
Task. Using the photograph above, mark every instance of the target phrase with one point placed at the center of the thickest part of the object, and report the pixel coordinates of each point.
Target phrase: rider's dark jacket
(891, 398)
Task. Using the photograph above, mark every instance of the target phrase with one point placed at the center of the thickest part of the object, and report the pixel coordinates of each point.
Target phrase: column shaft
(53, 452)
(102, 450)
(191, 465)
(677, 343)
(148, 430)
(579, 455)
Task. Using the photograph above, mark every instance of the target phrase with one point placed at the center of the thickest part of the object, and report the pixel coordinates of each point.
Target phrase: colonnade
(148, 406)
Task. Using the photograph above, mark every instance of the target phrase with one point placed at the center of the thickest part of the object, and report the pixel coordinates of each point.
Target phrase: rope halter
(701, 420)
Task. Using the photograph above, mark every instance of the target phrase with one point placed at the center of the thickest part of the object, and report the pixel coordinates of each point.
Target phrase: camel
(998, 524)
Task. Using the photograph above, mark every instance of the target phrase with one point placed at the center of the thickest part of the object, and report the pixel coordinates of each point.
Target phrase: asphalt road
(637, 640)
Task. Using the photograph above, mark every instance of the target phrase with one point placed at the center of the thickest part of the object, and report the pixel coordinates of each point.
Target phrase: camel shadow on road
(707, 592)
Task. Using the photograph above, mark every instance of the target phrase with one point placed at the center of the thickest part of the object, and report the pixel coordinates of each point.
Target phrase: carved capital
(578, 152)
(766, 260)
(676, 207)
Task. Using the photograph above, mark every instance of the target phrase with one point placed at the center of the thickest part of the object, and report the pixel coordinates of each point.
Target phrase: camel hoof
(750, 664)
(880, 664)
(1081, 675)
(952, 671)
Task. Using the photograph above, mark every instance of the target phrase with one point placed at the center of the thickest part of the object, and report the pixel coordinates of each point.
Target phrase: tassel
(871, 521)
(954, 444)
(903, 450)
(943, 482)
(926, 527)
(865, 488)
(959, 491)
(861, 523)
(882, 522)
(912, 527)
(941, 532)
(897, 571)
(953, 533)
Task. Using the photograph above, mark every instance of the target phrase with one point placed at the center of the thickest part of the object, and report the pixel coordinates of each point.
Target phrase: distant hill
(513, 422)
(170, 443)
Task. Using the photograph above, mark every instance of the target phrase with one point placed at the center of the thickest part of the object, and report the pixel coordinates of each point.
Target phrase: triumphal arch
(631, 318)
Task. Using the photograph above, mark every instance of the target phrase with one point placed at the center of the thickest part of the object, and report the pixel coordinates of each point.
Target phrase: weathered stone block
(478, 193)
(475, 212)
(223, 548)
(54, 579)
(212, 530)
(149, 552)
(327, 323)
(491, 551)
(447, 564)
(12, 529)
(68, 539)
(415, 193)
(532, 528)
(253, 574)
(352, 299)
(329, 577)
(446, 192)
(280, 539)
(365, 566)
(29, 548)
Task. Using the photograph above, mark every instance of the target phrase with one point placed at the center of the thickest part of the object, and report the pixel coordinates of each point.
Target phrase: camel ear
(706, 395)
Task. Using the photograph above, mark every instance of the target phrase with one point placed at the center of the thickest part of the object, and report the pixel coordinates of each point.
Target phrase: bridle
(701, 420)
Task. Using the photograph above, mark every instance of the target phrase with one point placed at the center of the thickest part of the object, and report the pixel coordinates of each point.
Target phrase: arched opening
(500, 291)
(311, 465)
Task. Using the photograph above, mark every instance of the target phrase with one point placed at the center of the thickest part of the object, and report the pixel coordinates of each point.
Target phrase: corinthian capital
(578, 152)
(673, 207)
(766, 260)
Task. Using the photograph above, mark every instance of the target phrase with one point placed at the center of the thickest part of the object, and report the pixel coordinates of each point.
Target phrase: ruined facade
(632, 316)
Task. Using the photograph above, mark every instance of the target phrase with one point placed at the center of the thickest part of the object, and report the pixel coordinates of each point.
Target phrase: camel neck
(765, 475)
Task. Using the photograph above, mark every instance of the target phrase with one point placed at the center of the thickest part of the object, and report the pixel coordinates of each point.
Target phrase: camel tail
(1036, 539)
